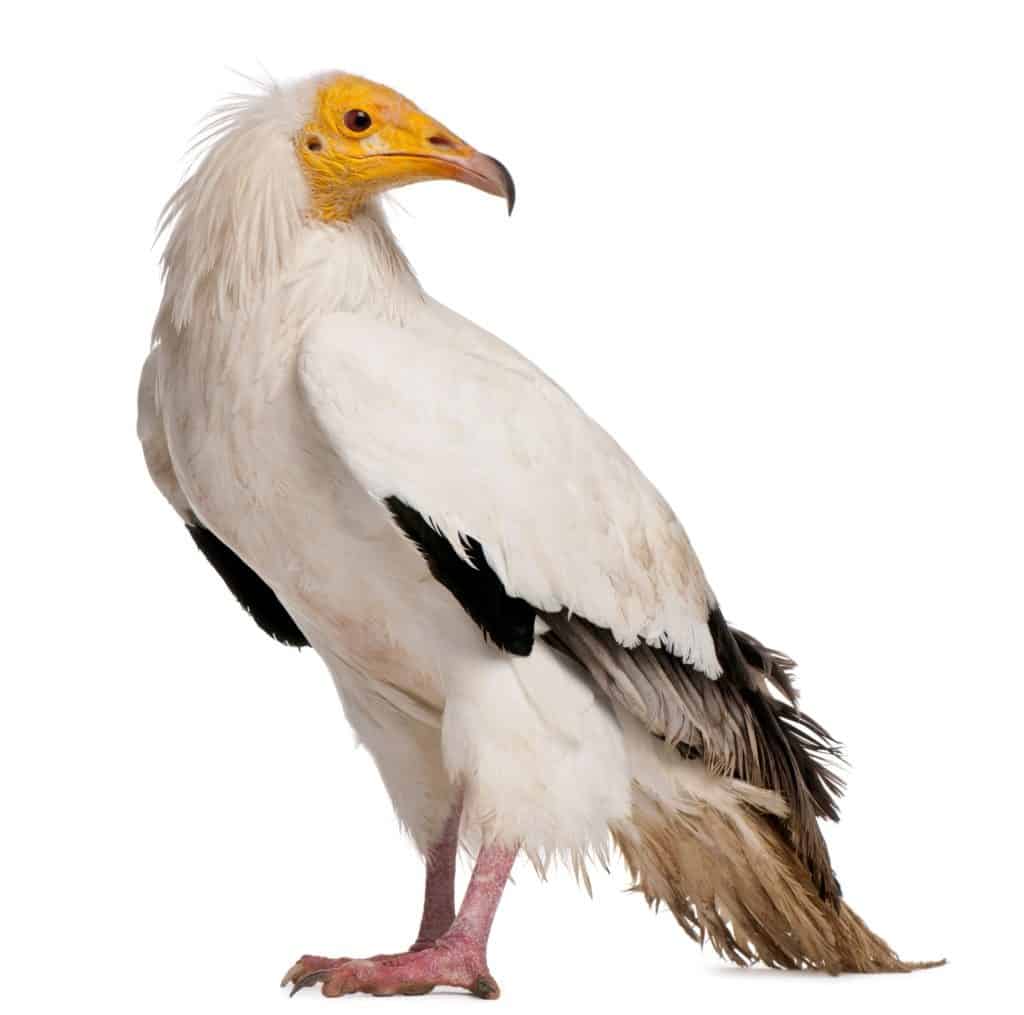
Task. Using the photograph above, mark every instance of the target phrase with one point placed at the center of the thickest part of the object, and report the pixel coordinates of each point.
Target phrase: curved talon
(310, 969)
(292, 973)
(486, 987)
(308, 979)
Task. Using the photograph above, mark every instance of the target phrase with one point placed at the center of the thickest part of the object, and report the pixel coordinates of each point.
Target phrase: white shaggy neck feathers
(240, 222)
(234, 221)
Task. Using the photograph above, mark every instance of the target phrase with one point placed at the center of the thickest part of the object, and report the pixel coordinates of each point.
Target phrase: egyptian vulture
(518, 628)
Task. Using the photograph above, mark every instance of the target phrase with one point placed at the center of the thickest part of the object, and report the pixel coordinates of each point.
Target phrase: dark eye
(358, 120)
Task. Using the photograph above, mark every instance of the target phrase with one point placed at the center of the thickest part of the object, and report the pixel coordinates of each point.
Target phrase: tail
(732, 876)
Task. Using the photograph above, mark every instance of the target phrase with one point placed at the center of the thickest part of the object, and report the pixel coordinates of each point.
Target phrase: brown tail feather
(733, 877)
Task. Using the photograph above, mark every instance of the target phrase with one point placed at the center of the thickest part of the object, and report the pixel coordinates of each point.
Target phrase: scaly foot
(448, 962)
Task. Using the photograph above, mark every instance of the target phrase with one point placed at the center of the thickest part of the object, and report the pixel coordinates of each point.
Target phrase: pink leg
(456, 958)
(439, 895)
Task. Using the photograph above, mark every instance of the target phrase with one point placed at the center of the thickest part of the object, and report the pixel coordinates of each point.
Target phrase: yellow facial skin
(347, 160)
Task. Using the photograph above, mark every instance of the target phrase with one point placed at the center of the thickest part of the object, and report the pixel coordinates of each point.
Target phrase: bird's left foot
(448, 962)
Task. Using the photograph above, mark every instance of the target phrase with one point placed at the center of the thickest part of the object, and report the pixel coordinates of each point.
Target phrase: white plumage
(474, 437)
(299, 379)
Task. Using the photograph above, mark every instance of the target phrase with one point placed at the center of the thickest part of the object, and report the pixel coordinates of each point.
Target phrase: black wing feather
(506, 620)
(258, 599)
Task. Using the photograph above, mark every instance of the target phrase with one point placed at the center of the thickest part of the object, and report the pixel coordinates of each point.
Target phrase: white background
(776, 248)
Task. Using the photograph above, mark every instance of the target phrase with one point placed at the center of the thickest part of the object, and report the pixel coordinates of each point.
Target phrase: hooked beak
(459, 162)
(484, 173)
(466, 166)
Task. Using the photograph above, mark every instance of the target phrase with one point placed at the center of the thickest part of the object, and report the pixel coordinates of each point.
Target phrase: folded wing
(524, 507)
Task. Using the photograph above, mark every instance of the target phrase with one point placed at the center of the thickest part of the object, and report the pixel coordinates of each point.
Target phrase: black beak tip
(509, 184)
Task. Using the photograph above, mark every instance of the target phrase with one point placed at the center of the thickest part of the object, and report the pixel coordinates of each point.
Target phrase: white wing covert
(472, 437)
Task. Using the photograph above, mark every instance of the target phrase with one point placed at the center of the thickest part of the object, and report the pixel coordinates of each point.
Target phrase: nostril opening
(440, 141)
